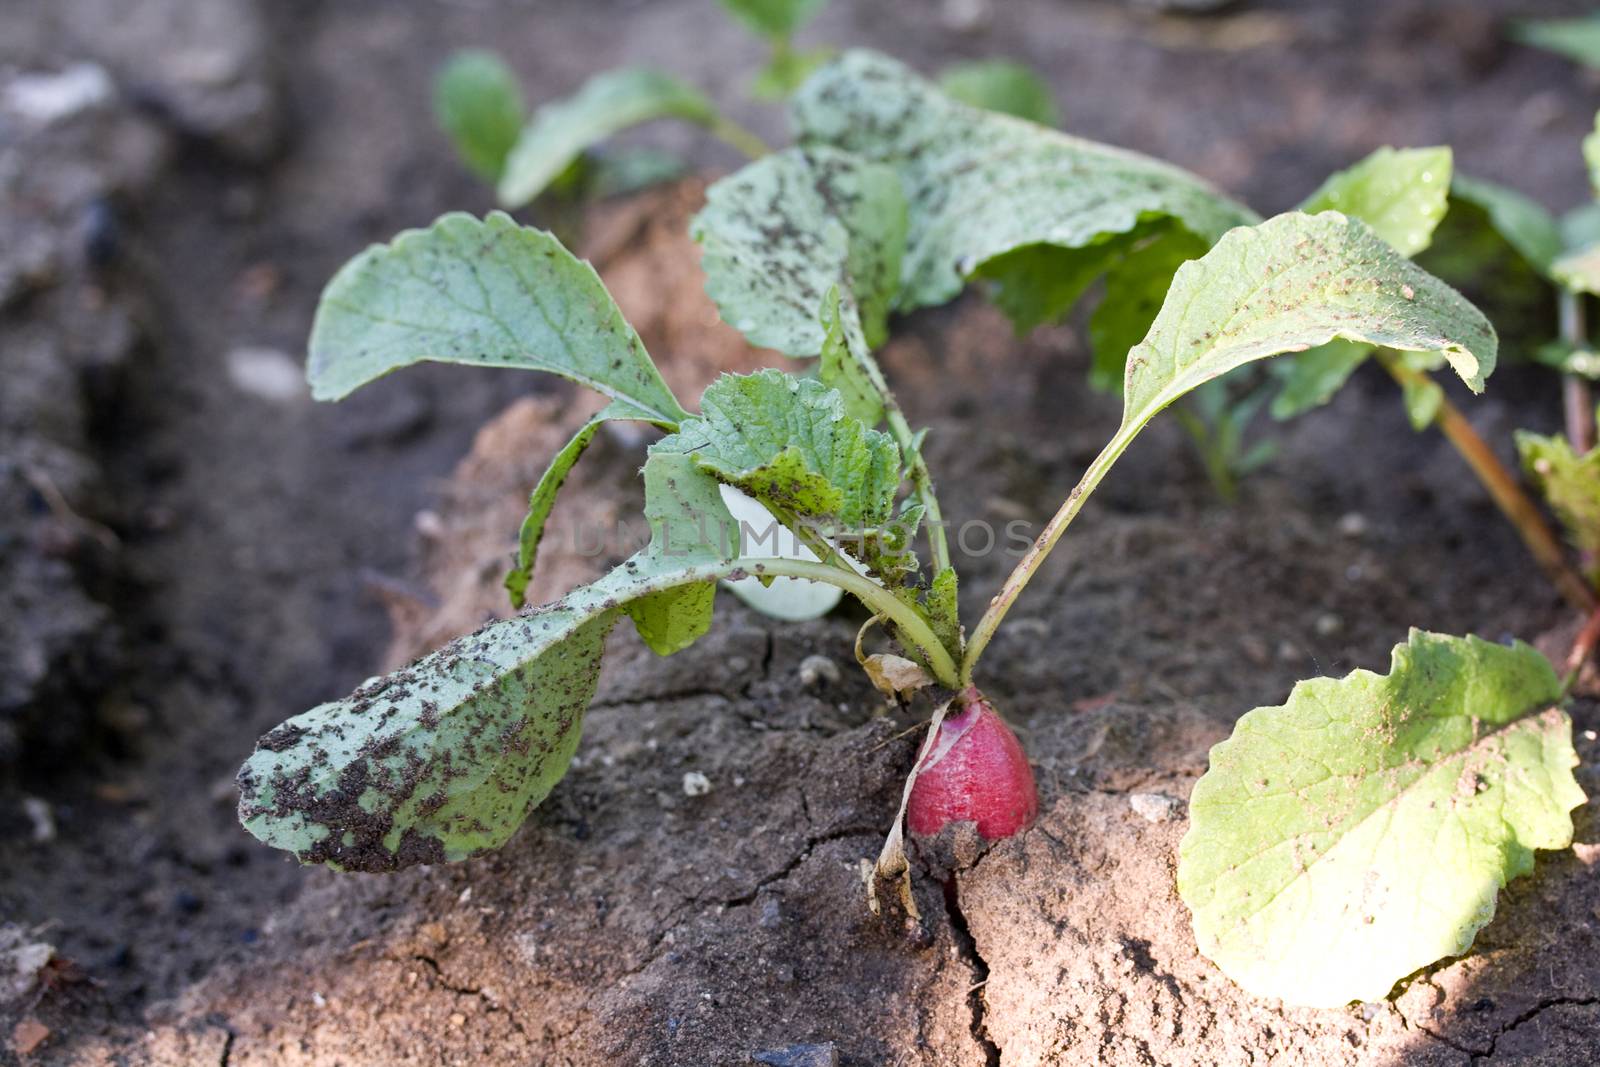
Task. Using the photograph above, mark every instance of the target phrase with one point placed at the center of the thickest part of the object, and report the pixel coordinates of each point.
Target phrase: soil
(266, 554)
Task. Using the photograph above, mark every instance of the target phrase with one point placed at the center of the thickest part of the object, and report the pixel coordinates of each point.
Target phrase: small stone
(823, 1055)
(1328, 624)
(28, 1035)
(815, 670)
(457, 1020)
(1352, 524)
(41, 818)
(266, 373)
(45, 99)
(1155, 807)
(695, 784)
(771, 913)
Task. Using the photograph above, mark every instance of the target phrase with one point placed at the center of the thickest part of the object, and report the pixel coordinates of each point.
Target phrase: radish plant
(1312, 825)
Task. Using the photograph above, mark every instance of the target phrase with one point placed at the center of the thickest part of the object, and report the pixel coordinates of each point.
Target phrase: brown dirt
(261, 542)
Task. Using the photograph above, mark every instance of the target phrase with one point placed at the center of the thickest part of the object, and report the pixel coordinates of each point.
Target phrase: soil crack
(967, 945)
(1528, 1016)
(489, 1000)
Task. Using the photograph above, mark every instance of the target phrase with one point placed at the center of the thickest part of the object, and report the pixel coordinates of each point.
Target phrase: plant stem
(1577, 403)
(736, 135)
(1017, 580)
(921, 477)
(909, 623)
(1504, 489)
(1582, 648)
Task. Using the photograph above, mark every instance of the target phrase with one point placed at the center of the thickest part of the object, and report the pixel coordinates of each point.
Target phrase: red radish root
(975, 772)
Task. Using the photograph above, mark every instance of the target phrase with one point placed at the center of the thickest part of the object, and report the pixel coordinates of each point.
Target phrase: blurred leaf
(1136, 285)
(774, 18)
(1310, 379)
(1524, 224)
(787, 70)
(1002, 85)
(1401, 194)
(1575, 38)
(1570, 482)
(606, 105)
(478, 102)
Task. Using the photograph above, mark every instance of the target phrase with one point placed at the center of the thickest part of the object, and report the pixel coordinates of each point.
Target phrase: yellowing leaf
(1363, 829)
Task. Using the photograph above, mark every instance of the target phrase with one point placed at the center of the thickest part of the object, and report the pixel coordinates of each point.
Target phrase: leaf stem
(1577, 403)
(1504, 489)
(1034, 557)
(732, 133)
(909, 624)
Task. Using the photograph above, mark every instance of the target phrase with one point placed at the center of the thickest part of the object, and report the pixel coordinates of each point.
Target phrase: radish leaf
(1362, 830)
(981, 185)
(606, 105)
(1001, 85)
(783, 231)
(773, 18)
(1570, 482)
(444, 759)
(1291, 283)
(488, 293)
(479, 103)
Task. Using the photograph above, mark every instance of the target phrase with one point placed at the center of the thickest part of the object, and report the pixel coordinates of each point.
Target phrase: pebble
(1353, 524)
(825, 1054)
(696, 784)
(815, 670)
(267, 373)
(1155, 807)
(41, 818)
(1328, 624)
(45, 99)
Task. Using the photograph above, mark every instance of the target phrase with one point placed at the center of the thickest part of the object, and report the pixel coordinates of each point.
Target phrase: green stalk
(732, 133)
(1034, 557)
(909, 624)
(1504, 490)
(1577, 402)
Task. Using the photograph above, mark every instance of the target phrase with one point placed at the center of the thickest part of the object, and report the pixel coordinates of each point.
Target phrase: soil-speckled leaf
(773, 18)
(1525, 224)
(981, 185)
(783, 231)
(1362, 830)
(1402, 194)
(479, 103)
(1001, 85)
(1291, 283)
(788, 443)
(607, 104)
(1570, 482)
(488, 293)
(445, 758)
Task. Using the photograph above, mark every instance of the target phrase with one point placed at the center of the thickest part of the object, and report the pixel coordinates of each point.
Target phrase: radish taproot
(975, 772)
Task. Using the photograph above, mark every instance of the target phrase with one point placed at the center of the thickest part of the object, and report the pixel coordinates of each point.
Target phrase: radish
(975, 772)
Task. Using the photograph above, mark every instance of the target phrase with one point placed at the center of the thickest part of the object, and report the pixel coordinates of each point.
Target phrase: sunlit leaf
(1363, 829)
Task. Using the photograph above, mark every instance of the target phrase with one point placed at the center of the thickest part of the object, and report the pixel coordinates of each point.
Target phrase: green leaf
(1002, 85)
(981, 185)
(783, 231)
(478, 102)
(1135, 287)
(1591, 155)
(1579, 271)
(1289, 284)
(773, 18)
(540, 502)
(1570, 482)
(1310, 379)
(1362, 830)
(444, 759)
(1580, 227)
(787, 70)
(788, 443)
(1575, 38)
(943, 610)
(487, 293)
(841, 366)
(1526, 226)
(606, 105)
(1401, 194)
